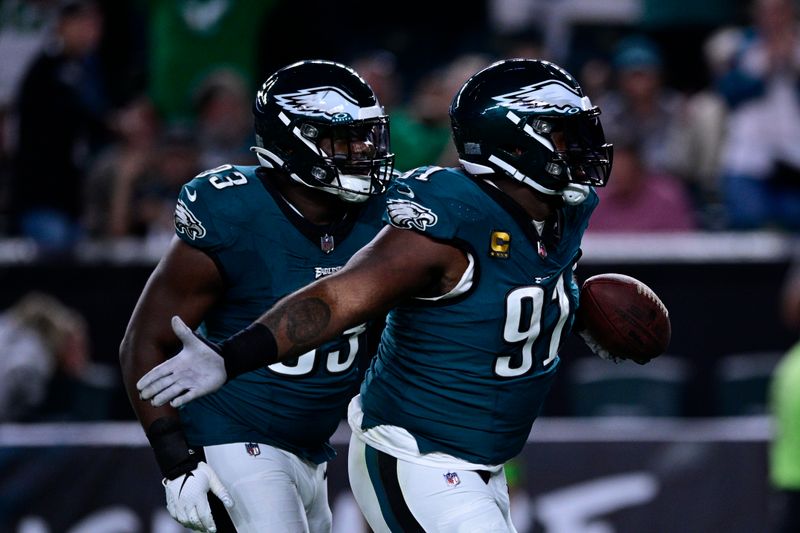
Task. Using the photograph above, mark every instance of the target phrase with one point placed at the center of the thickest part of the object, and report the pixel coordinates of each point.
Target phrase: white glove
(596, 348)
(196, 371)
(187, 498)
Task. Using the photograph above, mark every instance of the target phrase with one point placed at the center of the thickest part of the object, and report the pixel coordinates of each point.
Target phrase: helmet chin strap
(575, 194)
(346, 195)
(262, 154)
(353, 188)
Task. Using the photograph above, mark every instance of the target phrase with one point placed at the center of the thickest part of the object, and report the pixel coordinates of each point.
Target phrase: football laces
(648, 292)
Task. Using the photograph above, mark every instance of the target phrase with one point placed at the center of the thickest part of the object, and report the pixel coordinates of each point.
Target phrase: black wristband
(173, 454)
(249, 349)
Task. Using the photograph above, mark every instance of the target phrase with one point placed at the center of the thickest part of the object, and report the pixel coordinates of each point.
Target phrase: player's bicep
(396, 265)
(186, 282)
(400, 264)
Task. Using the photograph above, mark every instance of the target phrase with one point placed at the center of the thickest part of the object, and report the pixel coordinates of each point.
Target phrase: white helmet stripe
(474, 168)
(264, 156)
(370, 112)
(519, 176)
(273, 156)
(527, 129)
(312, 146)
(542, 140)
(573, 193)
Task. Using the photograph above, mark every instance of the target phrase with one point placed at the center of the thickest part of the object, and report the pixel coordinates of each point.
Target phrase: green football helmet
(530, 120)
(321, 123)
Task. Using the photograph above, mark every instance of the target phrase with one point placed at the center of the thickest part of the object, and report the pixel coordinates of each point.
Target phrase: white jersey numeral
(305, 363)
(224, 176)
(515, 330)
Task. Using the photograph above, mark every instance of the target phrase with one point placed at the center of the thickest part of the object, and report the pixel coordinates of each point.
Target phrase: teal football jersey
(266, 250)
(467, 376)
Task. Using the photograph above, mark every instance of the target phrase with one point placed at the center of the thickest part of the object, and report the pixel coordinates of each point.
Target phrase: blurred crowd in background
(107, 108)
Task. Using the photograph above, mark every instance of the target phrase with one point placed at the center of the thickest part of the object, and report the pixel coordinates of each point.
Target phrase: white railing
(596, 429)
(699, 247)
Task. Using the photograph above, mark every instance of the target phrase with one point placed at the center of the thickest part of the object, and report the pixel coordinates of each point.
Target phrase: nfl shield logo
(326, 243)
(252, 448)
(451, 478)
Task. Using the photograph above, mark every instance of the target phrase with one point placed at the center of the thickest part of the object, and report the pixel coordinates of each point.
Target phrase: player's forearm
(309, 319)
(136, 359)
(297, 324)
(372, 282)
(161, 424)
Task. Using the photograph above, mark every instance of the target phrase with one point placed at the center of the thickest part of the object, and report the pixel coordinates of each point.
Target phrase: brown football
(625, 316)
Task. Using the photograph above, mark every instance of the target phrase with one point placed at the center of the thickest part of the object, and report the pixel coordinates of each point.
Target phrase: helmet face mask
(578, 146)
(530, 120)
(320, 122)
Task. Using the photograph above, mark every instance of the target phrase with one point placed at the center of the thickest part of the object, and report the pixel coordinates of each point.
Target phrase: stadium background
(687, 451)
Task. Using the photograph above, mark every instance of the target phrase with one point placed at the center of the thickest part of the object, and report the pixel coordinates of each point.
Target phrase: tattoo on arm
(304, 321)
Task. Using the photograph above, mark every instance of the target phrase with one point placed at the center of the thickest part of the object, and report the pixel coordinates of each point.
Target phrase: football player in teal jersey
(475, 265)
(246, 237)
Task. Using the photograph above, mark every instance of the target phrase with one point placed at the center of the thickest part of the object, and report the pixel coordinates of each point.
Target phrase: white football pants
(401, 497)
(273, 490)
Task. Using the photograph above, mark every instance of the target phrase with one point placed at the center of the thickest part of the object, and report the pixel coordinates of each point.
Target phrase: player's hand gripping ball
(624, 316)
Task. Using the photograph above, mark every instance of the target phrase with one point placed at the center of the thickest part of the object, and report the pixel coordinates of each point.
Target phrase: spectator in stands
(527, 42)
(224, 119)
(637, 199)
(133, 188)
(62, 110)
(380, 69)
(641, 105)
(761, 156)
(596, 75)
(421, 128)
(704, 132)
(113, 178)
(191, 39)
(45, 351)
(784, 457)
(24, 29)
(151, 214)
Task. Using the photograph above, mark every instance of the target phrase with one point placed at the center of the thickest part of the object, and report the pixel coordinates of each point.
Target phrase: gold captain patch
(500, 244)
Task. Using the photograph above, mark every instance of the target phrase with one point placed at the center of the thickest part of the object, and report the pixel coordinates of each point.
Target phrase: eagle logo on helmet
(187, 223)
(410, 215)
(550, 95)
(319, 101)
